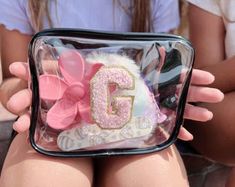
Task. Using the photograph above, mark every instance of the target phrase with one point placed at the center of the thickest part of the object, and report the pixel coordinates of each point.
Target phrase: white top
(224, 9)
(88, 14)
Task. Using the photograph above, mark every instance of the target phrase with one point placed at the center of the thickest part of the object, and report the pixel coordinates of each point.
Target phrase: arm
(14, 46)
(207, 34)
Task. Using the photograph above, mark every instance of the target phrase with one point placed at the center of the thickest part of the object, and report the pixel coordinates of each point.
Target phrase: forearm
(224, 74)
(9, 87)
(10, 52)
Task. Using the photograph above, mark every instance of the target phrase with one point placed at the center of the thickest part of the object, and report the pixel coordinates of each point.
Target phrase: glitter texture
(121, 106)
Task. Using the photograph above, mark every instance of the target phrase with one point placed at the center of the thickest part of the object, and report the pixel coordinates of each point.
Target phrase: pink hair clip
(70, 93)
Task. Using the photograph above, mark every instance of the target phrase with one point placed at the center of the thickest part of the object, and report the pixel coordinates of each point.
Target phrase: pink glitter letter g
(121, 106)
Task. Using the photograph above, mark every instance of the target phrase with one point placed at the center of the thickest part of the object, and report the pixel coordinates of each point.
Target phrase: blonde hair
(140, 14)
(39, 9)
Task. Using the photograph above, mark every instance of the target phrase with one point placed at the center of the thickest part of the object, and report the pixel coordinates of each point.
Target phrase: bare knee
(24, 167)
(145, 170)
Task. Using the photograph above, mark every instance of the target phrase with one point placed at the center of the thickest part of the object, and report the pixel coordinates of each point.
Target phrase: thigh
(24, 167)
(160, 169)
(231, 178)
(216, 138)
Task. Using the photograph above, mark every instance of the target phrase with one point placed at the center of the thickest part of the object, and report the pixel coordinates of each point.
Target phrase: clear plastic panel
(98, 94)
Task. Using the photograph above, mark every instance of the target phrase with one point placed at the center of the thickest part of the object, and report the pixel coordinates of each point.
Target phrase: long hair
(140, 14)
(39, 9)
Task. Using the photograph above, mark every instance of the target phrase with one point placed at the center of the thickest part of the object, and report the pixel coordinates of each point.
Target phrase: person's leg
(24, 167)
(160, 169)
(216, 138)
(231, 179)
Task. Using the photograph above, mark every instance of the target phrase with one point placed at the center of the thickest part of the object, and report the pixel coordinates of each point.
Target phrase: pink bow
(71, 92)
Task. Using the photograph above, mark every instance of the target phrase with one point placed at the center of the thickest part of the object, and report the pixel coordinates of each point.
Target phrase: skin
(210, 56)
(214, 138)
(23, 166)
(26, 166)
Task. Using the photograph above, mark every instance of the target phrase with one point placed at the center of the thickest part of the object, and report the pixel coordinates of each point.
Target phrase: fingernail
(17, 127)
(11, 68)
(14, 67)
(210, 115)
(8, 104)
(14, 126)
(221, 95)
(212, 79)
(190, 137)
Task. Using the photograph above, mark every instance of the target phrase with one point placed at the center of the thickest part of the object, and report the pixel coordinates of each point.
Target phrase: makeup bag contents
(97, 94)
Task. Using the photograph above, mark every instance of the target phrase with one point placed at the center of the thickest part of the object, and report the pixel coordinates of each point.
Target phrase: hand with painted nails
(198, 92)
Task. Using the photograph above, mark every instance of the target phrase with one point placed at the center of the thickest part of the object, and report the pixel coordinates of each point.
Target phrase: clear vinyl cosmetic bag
(99, 93)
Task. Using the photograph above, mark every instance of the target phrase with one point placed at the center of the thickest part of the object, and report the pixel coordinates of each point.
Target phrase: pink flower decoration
(71, 92)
